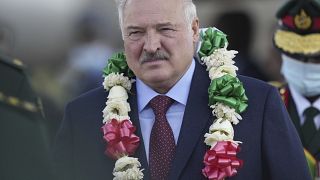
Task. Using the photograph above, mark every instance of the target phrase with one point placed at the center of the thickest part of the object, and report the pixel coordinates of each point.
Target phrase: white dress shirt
(179, 92)
(302, 104)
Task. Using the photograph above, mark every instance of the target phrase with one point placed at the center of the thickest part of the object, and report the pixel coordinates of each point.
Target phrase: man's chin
(156, 78)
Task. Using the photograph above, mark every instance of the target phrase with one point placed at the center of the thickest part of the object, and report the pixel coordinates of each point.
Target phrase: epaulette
(283, 90)
(12, 62)
(19, 103)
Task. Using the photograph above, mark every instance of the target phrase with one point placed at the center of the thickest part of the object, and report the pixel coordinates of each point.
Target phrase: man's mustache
(158, 55)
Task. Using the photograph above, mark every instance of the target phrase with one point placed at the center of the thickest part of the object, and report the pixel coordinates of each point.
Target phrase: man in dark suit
(297, 38)
(159, 40)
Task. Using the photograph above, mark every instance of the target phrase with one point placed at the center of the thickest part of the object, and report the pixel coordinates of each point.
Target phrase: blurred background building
(65, 43)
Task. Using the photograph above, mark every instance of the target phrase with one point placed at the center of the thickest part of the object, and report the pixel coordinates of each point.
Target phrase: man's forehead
(151, 10)
(154, 25)
(126, 2)
(150, 4)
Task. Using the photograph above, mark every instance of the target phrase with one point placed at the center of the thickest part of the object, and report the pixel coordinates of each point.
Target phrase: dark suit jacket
(271, 148)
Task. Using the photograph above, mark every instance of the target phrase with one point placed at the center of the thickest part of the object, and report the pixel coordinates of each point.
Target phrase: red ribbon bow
(221, 161)
(120, 138)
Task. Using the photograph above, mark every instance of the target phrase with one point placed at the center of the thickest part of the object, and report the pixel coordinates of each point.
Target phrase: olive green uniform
(23, 153)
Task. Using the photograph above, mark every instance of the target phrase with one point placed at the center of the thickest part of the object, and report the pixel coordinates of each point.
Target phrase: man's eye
(135, 35)
(167, 29)
(134, 32)
(169, 32)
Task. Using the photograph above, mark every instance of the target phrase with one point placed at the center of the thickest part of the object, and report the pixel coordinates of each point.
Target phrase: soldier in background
(298, 39)
(24, 153)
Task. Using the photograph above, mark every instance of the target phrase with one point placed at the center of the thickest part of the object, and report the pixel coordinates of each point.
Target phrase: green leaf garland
(117, 64)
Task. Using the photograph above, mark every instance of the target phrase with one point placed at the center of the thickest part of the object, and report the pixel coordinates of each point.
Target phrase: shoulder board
(278, 84)
(19, 103)
(12, 62)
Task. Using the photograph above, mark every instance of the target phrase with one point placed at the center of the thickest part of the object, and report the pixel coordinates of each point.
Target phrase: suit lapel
(195, 119)
(294, 115)
(134, 114)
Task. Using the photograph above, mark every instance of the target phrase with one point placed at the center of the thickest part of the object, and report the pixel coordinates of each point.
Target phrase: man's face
(158, 41)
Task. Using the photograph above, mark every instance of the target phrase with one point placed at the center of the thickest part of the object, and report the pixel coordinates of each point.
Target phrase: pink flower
(221, 161)
(120, 138)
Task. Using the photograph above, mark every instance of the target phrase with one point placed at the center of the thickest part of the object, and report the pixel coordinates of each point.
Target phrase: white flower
(115, 79)
(220, 130)
(117, 93)
(116, 109)
(108, 117)
(127, 168)
(126, 162)
(219, 57)
(216, 72)
(225, 112)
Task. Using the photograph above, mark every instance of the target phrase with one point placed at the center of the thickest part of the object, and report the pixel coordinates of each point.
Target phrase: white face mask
(304, 77)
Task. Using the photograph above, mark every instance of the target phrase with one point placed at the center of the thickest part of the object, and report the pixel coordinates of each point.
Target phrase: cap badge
(302, 20)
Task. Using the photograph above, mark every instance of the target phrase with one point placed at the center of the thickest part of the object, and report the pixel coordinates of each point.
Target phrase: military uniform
(23, 153)
(298, 40)
(312, 149)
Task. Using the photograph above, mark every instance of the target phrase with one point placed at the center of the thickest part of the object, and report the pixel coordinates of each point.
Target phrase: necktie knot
(160, 104)
(311, 112)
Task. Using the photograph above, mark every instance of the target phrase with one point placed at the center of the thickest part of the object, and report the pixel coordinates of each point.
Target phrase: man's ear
(195, 29)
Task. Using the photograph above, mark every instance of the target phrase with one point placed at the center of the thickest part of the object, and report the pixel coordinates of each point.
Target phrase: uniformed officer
(23, 152)
(298, 39)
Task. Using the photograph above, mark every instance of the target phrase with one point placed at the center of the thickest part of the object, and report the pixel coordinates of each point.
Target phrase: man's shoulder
(253, 83)
(283, 90)
(248, 82)
(257, 90)
(278, 84)
(87, 104)
(12, 63)
(89, 99)
(16, 92)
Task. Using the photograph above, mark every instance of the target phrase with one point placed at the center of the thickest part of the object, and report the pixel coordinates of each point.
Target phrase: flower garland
(226, 97)
(118, 130)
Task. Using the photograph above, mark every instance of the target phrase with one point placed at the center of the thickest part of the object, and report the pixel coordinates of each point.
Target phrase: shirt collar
(179, 92)
(301, 102)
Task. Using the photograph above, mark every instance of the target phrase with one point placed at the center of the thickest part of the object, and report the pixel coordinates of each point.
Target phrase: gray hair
(189, 10)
